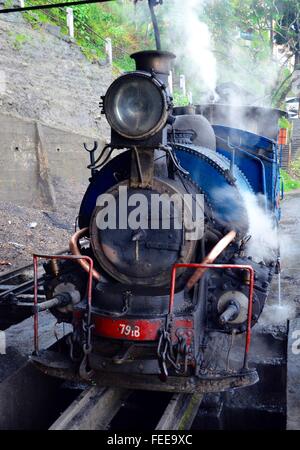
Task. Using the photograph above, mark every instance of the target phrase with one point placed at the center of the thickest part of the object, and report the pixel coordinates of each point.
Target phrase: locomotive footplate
(58, 365)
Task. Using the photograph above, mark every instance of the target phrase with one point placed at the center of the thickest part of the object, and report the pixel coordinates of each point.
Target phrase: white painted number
(296, 343)
(128, 330)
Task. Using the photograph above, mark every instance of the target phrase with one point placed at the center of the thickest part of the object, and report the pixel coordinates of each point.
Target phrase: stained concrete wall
(36, 158)
(49, 106)
(296, 138)
(45, 76)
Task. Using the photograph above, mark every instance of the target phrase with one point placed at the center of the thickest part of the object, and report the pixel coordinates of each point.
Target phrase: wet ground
(279, 308)
(264, 405)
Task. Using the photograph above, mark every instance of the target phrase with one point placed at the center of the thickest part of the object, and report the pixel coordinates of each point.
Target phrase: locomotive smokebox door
(142, 256)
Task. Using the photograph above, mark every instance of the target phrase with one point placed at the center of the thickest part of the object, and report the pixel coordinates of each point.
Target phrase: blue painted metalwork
(211, 172)
(257, 157)
(113, 172)
(208, 169)
(222, 179)
(261, 167)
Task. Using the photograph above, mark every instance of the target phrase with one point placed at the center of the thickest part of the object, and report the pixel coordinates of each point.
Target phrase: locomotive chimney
(156, 61)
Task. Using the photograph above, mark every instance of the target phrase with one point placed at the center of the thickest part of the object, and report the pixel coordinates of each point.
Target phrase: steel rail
(19, 288)
(180, 412)
(96, 407)
(6, 276)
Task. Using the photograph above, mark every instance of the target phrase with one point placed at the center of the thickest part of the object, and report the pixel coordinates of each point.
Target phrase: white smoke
(193, 44)
(257, 79)
(257, 222)
(277, 315)
(184, 31)
(264, 242)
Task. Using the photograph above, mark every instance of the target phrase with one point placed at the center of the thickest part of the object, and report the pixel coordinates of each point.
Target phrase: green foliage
(287, 23)
(94, 23)
(8, 3)
(283, 122)
(289, 182)
(19, 40)
(291, 179)
(179, 99)
(295, 168)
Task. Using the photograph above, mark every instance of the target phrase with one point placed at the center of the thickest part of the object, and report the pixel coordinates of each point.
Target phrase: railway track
(68, 408)
(16, 295)
(24, 392)
(17, 281)
(98, 409)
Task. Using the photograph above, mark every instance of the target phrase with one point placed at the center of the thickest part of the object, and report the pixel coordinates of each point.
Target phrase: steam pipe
(210, 258)
(59, 300)
(73, 244)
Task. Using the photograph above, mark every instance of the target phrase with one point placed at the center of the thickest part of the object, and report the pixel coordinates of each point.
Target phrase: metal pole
(70, 21)
(108, 50)
(182, 84)
(36, 315)
(170, 80)
(152, 4)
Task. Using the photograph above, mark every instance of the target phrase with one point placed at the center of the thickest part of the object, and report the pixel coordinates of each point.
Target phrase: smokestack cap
(158, 61)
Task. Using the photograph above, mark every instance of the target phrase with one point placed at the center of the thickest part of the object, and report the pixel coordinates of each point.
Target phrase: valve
(230, 312)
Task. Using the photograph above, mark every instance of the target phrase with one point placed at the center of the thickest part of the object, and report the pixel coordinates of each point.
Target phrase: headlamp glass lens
(134, 106)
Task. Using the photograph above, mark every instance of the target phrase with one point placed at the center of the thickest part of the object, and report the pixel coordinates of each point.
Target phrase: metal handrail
(220, 266)
(89, 289)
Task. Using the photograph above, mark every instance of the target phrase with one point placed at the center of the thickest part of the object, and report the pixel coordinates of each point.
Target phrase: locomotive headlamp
(136, 105)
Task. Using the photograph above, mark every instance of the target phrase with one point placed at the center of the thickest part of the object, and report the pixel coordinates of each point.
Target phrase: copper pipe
(75, 251)
(54, 267)
(210, 258)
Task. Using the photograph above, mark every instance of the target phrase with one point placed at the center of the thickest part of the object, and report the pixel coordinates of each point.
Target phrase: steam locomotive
(155, 305)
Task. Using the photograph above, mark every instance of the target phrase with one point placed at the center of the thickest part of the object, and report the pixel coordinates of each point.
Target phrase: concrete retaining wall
(286, 156)
(296, 138)
(35, 158)
(44, 76)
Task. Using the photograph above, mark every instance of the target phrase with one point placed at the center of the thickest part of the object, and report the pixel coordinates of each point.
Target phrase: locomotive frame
(132, 325)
